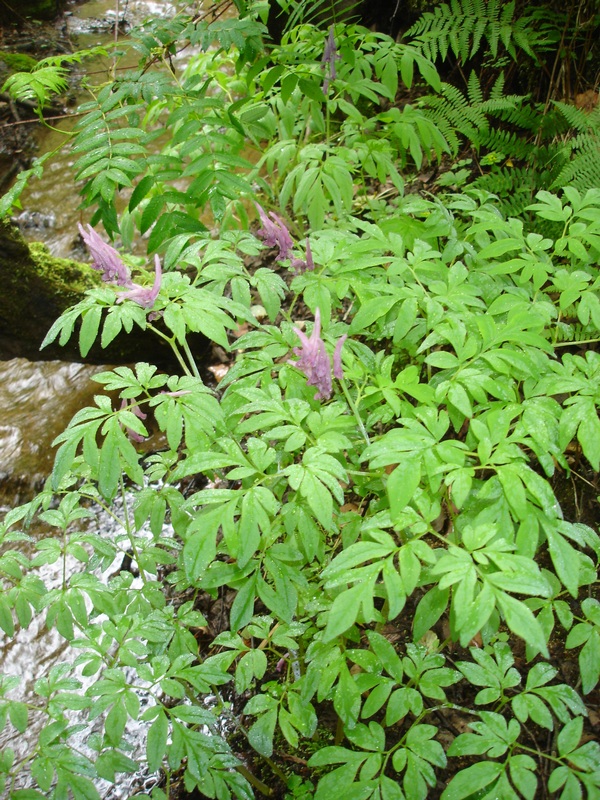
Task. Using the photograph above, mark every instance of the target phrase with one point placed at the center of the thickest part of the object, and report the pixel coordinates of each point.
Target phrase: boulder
(36, 287)
(30, 9)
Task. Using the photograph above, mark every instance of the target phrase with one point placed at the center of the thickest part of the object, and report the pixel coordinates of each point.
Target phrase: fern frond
(583, 170)
(312, 12)
(462, 26)
(497, 91)
(581, 151)
(430, 33)
(474, 91)
(572, 333)
(63, 59)
(578, 118)
(453, 115)
(38, 85)
(513, 145)
(493, 28)
(47, 78)
(514, 110)
(514, 187)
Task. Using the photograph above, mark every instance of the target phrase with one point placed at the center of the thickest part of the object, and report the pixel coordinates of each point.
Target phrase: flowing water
(52, 204)
(38, 399)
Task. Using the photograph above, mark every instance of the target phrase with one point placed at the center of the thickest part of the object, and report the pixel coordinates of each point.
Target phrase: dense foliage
(398, 580)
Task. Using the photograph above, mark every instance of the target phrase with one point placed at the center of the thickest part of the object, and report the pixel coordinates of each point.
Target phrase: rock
(34, 221)
(32, 9)
(36, 287)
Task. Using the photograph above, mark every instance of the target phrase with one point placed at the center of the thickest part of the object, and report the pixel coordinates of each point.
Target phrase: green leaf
(253, 518)
(470, 620)
(243, 605)
(500, 247)
(370, 311)
(459, 398)
(82, 788)
(109, 466)
(387, 655)
(89, 329)
(521, 621)
(403, 701)
(260, 734)
(199, 552)
(156, 741)
(140, 191)
(570, 736)
(589, 662)
(115, 722)
(343, 613)
(18, 716)
(565, 559)
(431, 607)
(442, 359)
(346, 698)
(402, 484)
(6, 618)
(334, 755)
(471, 780)
(251, 665)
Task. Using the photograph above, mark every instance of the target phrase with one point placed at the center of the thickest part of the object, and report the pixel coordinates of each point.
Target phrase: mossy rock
(17, 62)
(37, 287)
(30, 9)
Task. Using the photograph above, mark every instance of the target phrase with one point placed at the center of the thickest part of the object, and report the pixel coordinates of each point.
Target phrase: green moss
(36, 287)
(67, 277)
(40, 9)
(17, 62)
(33, 9)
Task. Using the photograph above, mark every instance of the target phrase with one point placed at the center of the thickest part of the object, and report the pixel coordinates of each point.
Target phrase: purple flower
(299, 265)
(144, 296)
(275, 234)
(330, 56)
(314, 361)
(105, 258)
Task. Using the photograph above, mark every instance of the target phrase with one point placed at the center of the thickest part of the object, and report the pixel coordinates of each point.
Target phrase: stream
(37, 399)
(51, 205)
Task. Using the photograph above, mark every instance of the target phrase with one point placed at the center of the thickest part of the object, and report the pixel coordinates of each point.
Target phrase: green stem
(190, 358)
(174, 348)
(575, 344)
(130, 536)
(354, 410)
(252, 779)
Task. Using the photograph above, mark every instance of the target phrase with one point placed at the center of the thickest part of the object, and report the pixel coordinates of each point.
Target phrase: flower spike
(314, 361)
(274, 233)
(144, 296)
(105, 258)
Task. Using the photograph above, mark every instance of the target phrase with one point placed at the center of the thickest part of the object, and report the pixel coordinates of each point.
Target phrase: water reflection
(37, 400)
(33, 652)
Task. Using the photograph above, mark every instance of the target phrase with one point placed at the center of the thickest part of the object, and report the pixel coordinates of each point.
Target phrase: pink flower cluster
(106, 260)
(314, 361)
(274, 233)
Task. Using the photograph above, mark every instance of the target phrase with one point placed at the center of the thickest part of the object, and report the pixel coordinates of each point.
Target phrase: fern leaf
(462, 27)
(474, 89)
(514, 187)
(512, 145)
(498, 87)
(576, 117)
(38, 85)
(583, 170)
